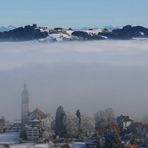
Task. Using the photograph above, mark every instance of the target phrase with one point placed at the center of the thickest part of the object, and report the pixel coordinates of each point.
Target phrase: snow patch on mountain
(61, 36)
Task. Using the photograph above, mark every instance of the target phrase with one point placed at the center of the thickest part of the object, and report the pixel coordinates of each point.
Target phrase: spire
(25, 91)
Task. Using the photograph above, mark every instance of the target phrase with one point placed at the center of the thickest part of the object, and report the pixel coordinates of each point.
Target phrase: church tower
(25, 105)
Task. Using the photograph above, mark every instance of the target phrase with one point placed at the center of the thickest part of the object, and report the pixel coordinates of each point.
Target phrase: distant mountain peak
(6, 28)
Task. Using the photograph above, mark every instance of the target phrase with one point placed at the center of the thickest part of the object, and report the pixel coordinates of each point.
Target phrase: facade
(34, 126)
(127, 123)
(25, 105)
(124, 122)
(33, 133)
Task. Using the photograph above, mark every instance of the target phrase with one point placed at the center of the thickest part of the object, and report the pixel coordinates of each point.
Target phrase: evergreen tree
(78, 114)
(60, 126)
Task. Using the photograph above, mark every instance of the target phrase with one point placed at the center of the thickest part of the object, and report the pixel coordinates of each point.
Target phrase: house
(127, 122)
(15, 127)
(124, 122)
(37, 114)
(33, 133)
(34, 127)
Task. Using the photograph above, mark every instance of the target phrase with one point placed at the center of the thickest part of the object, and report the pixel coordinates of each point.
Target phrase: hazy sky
(74, 13)
(88, 75)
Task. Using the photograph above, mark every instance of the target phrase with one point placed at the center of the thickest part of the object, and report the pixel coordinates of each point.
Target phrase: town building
(37, 122)
(124, 122)
(25, 105)
(33, 133)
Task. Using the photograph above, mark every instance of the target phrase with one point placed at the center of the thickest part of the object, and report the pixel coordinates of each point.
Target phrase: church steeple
(25, 94)
(25, 105)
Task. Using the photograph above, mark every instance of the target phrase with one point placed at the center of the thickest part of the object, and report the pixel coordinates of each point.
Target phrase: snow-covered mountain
(6, 28)
(44, 34)
(58, 35)
(67, 35)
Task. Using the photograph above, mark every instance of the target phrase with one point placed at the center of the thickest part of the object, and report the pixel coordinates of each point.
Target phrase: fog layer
(86, 75)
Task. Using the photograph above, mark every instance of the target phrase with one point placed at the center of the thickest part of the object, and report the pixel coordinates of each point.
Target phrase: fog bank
(86, 75)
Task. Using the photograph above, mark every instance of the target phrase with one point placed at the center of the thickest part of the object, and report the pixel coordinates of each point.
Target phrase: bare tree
(104, 118)
(86, 128)
(87, 125)
(72, 125)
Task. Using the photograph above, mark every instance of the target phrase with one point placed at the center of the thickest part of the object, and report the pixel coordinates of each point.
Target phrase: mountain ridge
(44, 34)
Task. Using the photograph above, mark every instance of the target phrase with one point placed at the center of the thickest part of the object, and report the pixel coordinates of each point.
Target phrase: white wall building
(33, 133)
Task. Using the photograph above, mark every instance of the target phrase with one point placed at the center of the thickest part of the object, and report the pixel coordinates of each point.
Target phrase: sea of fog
(90, 76)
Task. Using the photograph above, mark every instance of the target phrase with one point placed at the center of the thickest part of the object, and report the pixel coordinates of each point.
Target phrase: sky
(73, 13)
